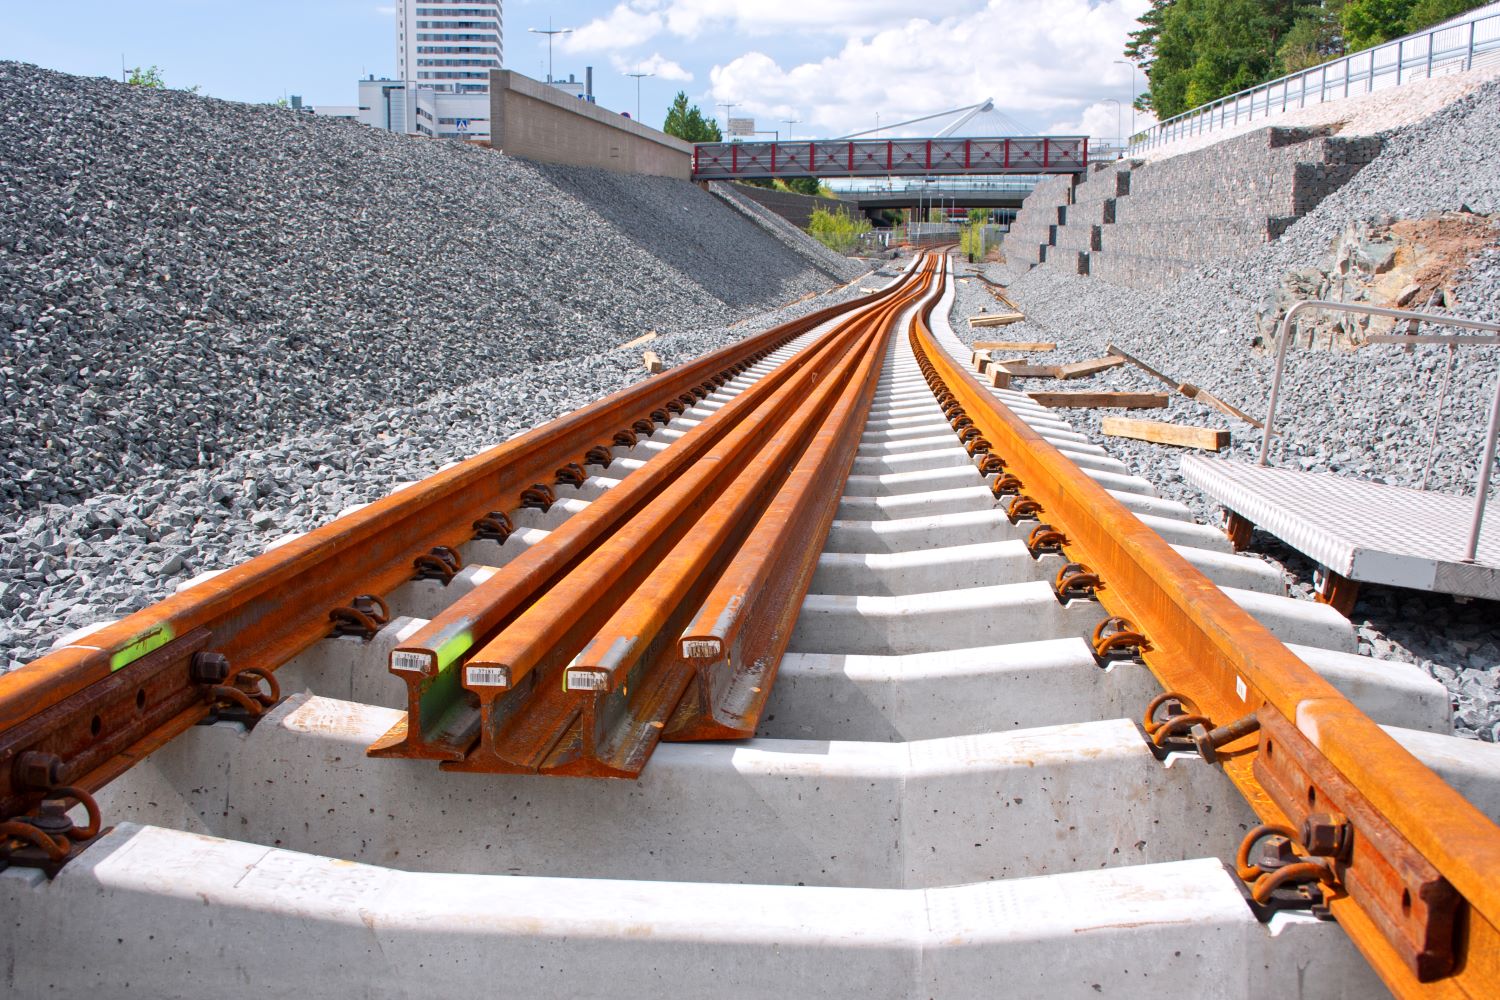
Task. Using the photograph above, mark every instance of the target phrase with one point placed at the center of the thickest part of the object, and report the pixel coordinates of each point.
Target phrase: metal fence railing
(1450, 49)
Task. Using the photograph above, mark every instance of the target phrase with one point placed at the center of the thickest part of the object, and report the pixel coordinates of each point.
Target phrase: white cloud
(385, 11)
(690, 18)
(1043, 64)
(627, 25)
(656, 65)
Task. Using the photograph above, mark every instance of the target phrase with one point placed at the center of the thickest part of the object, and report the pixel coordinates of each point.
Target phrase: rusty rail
(1410, 863)
(559, 662)
(85, 713)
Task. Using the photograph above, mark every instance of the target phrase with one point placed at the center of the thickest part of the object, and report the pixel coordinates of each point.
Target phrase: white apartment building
(445, 50)
(449, 45)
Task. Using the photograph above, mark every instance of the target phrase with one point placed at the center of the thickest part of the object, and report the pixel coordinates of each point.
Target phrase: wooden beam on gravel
(1094, 400)
(1024, 369)
(995, 319)
(1080, 369)
(652, 360)
(1161, 432)
(645, 338)
(1013, 345)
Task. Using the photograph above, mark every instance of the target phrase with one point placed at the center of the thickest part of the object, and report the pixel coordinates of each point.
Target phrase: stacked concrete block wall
(1035, 228)
(1092, 210)
(1221, 202)
(1147, 225)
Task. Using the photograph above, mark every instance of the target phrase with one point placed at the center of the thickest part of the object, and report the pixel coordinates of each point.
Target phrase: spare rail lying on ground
(83, 714)
(1405, 863)
(565, 661)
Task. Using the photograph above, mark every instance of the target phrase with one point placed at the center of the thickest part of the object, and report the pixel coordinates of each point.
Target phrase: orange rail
(1416, 883)
(85, 713)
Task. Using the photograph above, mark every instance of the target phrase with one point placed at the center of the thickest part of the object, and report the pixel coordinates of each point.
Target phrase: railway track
(1019, 726)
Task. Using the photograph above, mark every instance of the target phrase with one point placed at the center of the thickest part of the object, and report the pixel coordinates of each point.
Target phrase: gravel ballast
(1366, 413)
(222, 322)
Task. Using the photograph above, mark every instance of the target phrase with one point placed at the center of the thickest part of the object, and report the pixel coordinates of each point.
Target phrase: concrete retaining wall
(532, 120)
(794, 208)
(1147, 225)
(1034, 231)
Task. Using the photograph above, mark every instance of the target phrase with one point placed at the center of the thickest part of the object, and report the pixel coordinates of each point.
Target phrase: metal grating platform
(1367, 532)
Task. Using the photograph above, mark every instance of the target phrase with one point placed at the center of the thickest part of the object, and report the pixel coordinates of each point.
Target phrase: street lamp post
(789, 122)
(549, 31)
(638, 76)
(726, 105)
(1124, 62)
(1119, 139)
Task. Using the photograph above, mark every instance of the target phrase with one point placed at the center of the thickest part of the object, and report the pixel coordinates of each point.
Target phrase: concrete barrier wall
(794, 208)
(532, 120)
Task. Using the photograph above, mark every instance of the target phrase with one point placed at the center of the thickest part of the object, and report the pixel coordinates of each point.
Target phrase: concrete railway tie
(949, 793)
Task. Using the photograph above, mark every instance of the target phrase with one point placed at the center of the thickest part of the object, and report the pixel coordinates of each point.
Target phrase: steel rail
(736, 639)
(83, 714)
(627, 681)
(1417, 892)
(443, 721)
(524, 719)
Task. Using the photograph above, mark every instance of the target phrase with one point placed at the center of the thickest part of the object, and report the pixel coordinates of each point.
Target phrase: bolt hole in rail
(658, 613)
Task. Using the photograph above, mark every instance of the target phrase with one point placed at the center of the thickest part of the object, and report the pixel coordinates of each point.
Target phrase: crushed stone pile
(221, 322)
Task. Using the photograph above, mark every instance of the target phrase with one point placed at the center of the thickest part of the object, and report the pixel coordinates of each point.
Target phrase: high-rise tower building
(448, 45)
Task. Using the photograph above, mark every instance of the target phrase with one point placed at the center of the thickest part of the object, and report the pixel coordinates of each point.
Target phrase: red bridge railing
(887, 157)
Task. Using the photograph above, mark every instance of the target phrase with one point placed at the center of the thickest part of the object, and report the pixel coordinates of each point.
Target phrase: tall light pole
(1110, 100)
(726, 105)
(1123, 62)
(549, 31)
(638, 76)
(789, 122)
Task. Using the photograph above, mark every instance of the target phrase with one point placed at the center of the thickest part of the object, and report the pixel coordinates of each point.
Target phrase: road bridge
(891, 157)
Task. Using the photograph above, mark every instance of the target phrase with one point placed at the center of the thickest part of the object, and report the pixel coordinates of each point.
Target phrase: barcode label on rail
(586, 680)
(693, 648)
(420, 662)
(497, 677)
(1239, 687)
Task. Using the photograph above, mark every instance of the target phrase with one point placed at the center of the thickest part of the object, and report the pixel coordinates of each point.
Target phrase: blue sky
(833, 64)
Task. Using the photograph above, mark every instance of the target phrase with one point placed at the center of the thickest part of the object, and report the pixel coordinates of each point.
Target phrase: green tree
(687, 123)
(802, 185)
(1426, 13)
(1313, 38)
(1370, 22)
(150, 77)
(1206, 49)
(1141, 49)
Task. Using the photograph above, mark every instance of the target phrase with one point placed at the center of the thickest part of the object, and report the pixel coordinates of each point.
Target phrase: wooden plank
(652, 361)
(1080, 369)
(1161, 432)
(999, 377)
(1120, 400)
(637, 342)
(1013, 345)
(995, 320)
(1021, 369)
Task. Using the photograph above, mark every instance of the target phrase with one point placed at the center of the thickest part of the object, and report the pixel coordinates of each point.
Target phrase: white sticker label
(1239, 687)
(587, 680)
(695, 648)
(422, 663)
(497, 677)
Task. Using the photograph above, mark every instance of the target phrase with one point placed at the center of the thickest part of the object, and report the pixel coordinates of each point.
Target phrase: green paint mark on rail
(140, 646)
(451, 650)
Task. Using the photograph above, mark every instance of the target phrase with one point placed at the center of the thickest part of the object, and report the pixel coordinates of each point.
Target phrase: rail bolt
(208, 668)
(1325, 836)
(38, 769)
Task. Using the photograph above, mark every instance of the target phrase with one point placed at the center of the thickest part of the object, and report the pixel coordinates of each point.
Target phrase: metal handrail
(1487, 458)
(1337, 75)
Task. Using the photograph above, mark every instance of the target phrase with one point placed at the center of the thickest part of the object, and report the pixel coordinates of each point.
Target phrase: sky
(829, 67)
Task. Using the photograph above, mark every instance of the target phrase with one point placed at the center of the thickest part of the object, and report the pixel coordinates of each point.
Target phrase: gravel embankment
(1366, 413)
(221, 322)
